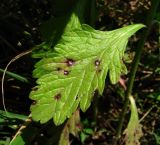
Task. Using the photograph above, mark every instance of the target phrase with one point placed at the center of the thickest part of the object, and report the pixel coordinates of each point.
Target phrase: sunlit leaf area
(83, 72)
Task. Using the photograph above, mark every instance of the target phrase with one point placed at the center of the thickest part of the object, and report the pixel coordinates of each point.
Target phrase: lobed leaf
(78, 66)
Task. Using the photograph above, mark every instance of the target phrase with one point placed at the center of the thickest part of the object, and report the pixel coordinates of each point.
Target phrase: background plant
(116, 89)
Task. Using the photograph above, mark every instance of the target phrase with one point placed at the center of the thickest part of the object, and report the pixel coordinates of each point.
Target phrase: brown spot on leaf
(57, 97)
(68, 125)
(99, 70)
(97, 62)
(34, 103)
(59, 69)
(79, 126)
(66, 72)
(70, 62)
(76, 97)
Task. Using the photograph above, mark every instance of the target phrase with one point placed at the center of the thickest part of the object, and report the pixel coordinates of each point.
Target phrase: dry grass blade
(4, 73)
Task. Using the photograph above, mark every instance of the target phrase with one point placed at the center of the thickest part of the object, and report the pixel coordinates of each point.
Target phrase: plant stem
(92, 13)
(134, 67)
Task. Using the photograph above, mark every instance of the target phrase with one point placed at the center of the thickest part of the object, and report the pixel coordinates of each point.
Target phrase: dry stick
(134, 67)
(26, 123)
(4, 73)
(145, 115)
(28, 120)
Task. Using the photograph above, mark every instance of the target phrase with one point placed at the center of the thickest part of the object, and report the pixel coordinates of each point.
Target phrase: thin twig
(26, 123)
(146, 114)
(4, 73)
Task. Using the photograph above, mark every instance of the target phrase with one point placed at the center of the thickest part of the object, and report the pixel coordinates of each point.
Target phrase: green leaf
(88, 131)
(134, 130)
(53, 28)
(157, 137)
(60, 26)
(10, 115)
(155, 95)
(83, 137)
(72, 126)
(69, 75)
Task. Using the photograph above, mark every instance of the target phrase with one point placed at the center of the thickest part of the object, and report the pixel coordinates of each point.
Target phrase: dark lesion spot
(68, 125)
(77, 97)
(34, 102)
(66, 72)
(57, 97)
(97, 62)
(70, 62)
(79, 126)
(59, 69)
(99, 70)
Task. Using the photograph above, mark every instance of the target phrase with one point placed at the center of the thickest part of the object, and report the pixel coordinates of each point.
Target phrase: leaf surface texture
(69, 74)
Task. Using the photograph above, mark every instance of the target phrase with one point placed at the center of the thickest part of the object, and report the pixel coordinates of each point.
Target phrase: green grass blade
(13, 115)
(16, 76)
